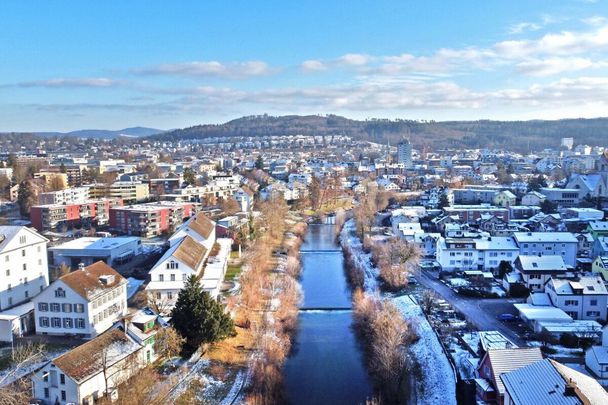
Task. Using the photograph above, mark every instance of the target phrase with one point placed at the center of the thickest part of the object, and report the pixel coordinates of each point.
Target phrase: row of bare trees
(386, 337)
(369, 204)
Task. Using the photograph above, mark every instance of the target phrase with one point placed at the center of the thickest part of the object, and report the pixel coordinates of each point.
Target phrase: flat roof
(96, 243)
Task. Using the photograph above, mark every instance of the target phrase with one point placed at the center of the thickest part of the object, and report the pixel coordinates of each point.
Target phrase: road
(480, 312)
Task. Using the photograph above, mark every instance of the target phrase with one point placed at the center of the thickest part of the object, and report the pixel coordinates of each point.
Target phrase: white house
(24, 268)
(215, 270)
(475, 253)
(596, 357)
(85, 302)
(244, 196)
(533, 198)
(200, 228)
(537, 270)
(583, 298)
(88, 372)
(563, 244)
(169, 274)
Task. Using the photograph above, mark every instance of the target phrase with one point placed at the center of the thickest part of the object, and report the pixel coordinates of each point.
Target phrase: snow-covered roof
(540, 313)
(587, 285)
(541, 237)
(547, 263)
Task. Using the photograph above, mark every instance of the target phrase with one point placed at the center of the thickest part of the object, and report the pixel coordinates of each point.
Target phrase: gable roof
(8, 232)
(202, 225)
(589, 285)
(546, 263)
(190, 253)
(87, 282)
(91, 357)
(506, 360)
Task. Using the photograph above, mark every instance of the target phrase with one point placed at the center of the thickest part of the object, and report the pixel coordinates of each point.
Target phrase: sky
(67, 65)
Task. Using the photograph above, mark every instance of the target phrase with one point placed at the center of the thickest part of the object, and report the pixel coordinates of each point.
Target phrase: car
(508, 318)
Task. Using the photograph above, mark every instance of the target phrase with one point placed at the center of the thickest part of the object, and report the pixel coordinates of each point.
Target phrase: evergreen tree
(259, 163)
(444, 201)
(198, 318)
(189, 176)
(25, 197)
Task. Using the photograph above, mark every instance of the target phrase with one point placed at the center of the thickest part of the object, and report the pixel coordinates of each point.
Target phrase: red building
(152, 219)
(52, 216)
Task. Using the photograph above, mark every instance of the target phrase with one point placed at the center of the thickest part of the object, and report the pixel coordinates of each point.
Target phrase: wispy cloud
(524, 27)
(74, 82)
(313, 66)
(234, 70)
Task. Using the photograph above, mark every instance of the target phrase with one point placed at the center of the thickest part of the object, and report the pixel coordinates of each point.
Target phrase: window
(593, 303)
(60, 293)
(593, 313)
(8, 272)
(79, 323)
(158, 296)
(184, 277)
(55, 307)
(46, 390)
(95, 319)
(24, 266)
(62, 395)
(22, 239)
(10, 301)
(9, 287)
(43, 306)
(27, 294)
(161, 277)
(56, 322)
(571, 302)
(6, 258)
(67, 307)
(79, 308)
(43, 321)
(22, 252)
(38, 248)
(62, 378)
(172, 277)
(68, 323)
(169, 295)
(25, 280)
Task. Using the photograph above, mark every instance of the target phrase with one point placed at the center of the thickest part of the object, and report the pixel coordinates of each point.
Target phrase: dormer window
(60, 293)
(22, 239)
(172, 265)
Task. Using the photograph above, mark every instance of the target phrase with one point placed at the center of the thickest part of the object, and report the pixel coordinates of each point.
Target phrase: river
(326, 364)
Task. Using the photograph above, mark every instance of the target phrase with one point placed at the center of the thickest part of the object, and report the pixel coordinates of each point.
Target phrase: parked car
(508, 318)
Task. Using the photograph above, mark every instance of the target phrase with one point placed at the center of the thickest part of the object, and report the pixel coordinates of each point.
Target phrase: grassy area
(232, 351)
(232, 271)
(234, 254)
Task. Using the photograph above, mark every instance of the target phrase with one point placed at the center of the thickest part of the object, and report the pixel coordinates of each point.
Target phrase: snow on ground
(459, 282)
(437, 385)
(351, 241)
(132, 286)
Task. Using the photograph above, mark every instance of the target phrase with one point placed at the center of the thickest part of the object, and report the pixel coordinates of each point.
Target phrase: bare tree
(15, 388)
(168, 343)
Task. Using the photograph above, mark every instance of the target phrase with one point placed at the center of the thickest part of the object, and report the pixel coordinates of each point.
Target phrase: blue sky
(69, 65)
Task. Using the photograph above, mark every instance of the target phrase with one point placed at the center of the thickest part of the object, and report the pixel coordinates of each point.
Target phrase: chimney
(81, 266)
(570, 389)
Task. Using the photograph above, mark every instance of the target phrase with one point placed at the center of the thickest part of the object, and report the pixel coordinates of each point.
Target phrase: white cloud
(73, 82)
(552, 66)
(354, 59)
(524, 27)
(596, 20)
(313, 66)
(209, 68)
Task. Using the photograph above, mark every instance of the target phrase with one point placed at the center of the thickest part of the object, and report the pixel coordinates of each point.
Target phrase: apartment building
(152, 219)
(66, 196)
(563, 244)
(475, 252)
(85, 302)
(52, 216)
(24, 267)
(536, 270)
(564, 197)
(129, 191)
(582, 298)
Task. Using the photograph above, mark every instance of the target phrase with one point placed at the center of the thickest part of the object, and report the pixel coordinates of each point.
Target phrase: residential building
(495, 363)
(88, 250)
(482, 195)
(472, 213)
(199, 227)
(563, 197)
(66, 196)
(564, 244)
(129, 191)
(505, 199)
(533, 198)
(600, 266)
(54, 216)
(152, 219)
(244, 196)
(85, 302)
(581, 298)
(537, 270)
(596, 357)
(404, 153)
(549, 382)
(475, 252)
(598, 228)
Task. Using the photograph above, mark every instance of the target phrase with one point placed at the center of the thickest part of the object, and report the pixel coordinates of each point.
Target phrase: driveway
(480, 312)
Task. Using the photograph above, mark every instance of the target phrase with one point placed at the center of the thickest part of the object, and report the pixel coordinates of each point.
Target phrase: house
(495, 363)
(581, 298)
(600, 266)
(85, 302)
(598, 228)
(168, 276)
(91, 370)
(596, 357)
(537, 270)
(563, 244)
(244, 196)
(600, 246)
(475, 252)
(590, 185)
(427, 242)
(549, 382)
(585, 244)
(533, 198)
(200, 228)
(25, 268)
(88, 250)
(505, 199)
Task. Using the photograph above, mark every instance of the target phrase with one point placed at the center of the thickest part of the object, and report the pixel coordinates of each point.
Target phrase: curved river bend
(326, 364)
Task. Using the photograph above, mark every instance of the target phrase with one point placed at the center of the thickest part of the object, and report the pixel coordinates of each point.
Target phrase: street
(480, 312)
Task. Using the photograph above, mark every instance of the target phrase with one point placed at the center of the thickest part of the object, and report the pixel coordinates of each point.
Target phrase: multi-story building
(66, 196)
(472, 213)
(85, 302)
(52, 216)
(563, 244)
(480, 195)
(475, 252)
(129, 191)
(152, 219)
(564, 197)
(24, 267)
(404, 153)
(536, 270)
(581, 298)
(88, 250)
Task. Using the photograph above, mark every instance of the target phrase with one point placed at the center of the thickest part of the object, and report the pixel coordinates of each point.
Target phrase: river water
(326, 364)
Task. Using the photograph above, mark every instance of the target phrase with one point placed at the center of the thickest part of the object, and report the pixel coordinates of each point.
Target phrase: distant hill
(135, 132)
(520, 136)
